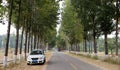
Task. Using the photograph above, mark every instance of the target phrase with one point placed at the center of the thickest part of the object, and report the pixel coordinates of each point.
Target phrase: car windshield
(35, 52)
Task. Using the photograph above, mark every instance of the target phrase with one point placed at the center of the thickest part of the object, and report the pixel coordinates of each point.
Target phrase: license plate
(34, 61)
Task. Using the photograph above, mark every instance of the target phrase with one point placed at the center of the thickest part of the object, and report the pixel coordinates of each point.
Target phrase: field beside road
(10, 55)
(23, 64)
(99, 63)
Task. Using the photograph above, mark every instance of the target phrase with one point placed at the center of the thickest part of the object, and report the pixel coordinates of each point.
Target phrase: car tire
(44, 61)
(28, 64)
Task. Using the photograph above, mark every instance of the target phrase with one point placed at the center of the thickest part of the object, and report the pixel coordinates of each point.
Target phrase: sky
(59, 21)
(3, 29)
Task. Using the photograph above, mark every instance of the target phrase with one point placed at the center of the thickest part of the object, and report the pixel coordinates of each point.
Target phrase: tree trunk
(34, 42)
(116, 39)
(31, 43)
(8, 35)
(94, 35)
(16, 45)
(106, 45)
(89, 47)
(71, 47)
(21, 44)
(17, 33)
(78, 47)
(26, 37)
(28, 42)
(111, 52)
(95, 46)
(83, 49)
(85, 46)
(37, 42)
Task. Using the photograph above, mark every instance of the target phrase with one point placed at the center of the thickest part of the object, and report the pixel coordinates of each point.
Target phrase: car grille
(34, 58)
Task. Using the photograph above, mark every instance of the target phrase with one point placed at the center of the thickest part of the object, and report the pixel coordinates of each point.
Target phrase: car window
(35, 52)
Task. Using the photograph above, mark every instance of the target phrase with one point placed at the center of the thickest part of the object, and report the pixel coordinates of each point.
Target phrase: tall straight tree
(117, 16)
(21, 44)
(105, 19)
(17, 31)
(92, 14)
(8, 33)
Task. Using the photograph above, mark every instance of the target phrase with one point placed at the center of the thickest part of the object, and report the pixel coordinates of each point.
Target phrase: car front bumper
(35, 61)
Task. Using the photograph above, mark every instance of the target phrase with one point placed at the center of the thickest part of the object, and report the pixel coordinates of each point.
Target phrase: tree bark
(17, 32)
(95, 47)
(85, 46)
(25, 50)
(106, 45)
(21, 43)
(31, 43)
(28, 42)
(89, 46)
(94, 35)
(37, 42)
(8, 34)
(34, 41)
(116, 39)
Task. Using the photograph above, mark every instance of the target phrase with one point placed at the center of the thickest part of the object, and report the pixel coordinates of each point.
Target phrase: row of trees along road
(35, 18)
(83, 21)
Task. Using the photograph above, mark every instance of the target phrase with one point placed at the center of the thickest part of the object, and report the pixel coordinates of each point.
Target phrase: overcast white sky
(59, 21)
(3, 29)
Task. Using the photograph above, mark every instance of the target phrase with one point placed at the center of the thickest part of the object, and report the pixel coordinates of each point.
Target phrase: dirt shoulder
(98, 63)
(23, 65)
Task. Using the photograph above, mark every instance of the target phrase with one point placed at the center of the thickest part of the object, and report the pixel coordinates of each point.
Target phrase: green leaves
(82, 18)
(71, 25)
(37, 17)
(105, 17)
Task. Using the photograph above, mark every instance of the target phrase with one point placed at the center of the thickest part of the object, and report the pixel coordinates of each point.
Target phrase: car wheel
(28, 64)
(44, 61)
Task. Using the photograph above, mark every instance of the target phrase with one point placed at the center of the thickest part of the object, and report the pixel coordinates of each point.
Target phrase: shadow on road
(49, 63)
(35, 64)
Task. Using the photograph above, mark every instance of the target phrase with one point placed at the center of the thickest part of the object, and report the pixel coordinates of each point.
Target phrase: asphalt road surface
(60, 61)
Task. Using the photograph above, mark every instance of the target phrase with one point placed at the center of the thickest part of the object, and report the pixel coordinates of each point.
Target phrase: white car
(36, 57)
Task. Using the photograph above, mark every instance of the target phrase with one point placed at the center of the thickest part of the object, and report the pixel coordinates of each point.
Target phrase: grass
(1, 68)
(112, 61)
(92, 60)
(95, 57)
(12, 64)
(109, 60)
(87, 55)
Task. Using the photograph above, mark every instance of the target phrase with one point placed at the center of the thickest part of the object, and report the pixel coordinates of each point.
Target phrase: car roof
(37, 50)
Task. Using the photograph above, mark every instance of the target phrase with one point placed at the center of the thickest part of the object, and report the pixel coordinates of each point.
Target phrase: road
(60, 61)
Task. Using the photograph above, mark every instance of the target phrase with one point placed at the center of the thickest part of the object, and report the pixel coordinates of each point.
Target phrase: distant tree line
(12, 41)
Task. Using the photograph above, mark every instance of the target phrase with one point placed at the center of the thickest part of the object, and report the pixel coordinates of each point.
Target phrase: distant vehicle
(36, 57)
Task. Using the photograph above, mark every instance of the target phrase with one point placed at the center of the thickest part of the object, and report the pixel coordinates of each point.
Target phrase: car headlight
(28, 58)
(41, 57)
